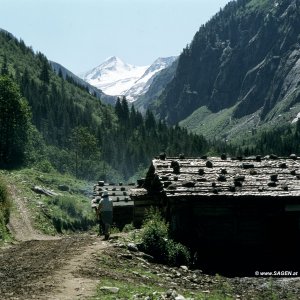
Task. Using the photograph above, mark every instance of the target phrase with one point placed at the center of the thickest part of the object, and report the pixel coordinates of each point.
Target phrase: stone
(41, 190)
(222, 178)
(127, 256)
(167, 183)
(238, 184)
(63, 188)
(162, 156)
(223, 156)
(132, 247)
(258, 158)
(209, 164)
(188, 184)
(175, 166)
(224, 171)
(247, 166)
(274, 177)
(179, 297)
(172, 187)
(201, 171)
(283, 166)
(110, 289)
(148, 257)
(232, 188)
(239, 178)
(184, 268)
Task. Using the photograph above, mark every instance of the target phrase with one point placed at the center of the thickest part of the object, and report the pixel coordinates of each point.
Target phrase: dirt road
(49, 269)
(38, 266)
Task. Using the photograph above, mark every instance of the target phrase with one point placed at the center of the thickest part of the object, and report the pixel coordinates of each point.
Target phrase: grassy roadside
(68, 210)
(127, 274)
(135, 278)
(5, 207)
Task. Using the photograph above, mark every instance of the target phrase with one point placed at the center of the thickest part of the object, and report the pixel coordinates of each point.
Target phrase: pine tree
(14, 123)
(44, 76)
(4, 69)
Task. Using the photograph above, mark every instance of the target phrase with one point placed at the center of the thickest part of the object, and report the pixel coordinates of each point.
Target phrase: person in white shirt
(106, 211)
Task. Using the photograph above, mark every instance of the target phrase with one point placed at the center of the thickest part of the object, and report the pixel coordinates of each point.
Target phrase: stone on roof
(252, 176)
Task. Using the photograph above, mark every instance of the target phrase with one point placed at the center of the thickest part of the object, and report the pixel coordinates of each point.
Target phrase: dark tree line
(137, 139)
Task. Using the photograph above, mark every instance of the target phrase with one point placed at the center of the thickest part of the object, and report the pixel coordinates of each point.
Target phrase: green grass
(244, 131)
(211, 125)
(259, 4)
(5, 208)
(68, 211)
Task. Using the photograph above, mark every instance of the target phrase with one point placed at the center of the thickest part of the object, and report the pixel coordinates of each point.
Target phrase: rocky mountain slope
(143, 84)
(242, 70)
(157, 86)
(116, 77)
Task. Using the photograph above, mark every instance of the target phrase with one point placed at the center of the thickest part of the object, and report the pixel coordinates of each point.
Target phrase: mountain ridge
(91, 89)
(117, 78)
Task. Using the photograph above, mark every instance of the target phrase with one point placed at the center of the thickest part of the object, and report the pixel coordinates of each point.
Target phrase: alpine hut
(215, 204)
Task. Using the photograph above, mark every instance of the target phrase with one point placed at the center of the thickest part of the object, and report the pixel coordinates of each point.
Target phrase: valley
(232, 94)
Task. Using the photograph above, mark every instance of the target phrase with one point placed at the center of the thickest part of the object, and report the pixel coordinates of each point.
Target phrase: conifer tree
(4, 69)
(44, 76)
(14, 123)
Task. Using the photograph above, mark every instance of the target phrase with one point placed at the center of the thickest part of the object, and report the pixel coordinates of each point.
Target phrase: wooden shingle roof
(215, 176)
(119, 193)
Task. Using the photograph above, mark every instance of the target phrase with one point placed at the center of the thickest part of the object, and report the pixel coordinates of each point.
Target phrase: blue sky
(81, 34)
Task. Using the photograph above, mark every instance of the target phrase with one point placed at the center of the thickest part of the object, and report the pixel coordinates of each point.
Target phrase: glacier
(117, 78)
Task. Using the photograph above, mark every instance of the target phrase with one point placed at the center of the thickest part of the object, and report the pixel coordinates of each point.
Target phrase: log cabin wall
(143, 202)
(258, 223)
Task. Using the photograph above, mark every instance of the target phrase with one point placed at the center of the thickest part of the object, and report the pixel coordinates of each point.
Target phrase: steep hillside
(242, 66)
(68, 75)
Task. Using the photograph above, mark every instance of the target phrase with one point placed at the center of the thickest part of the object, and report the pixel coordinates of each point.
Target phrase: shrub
(44, 166)
(178, 254)
(4, 209)
(156, 241)
(128, 228)
(155, 235)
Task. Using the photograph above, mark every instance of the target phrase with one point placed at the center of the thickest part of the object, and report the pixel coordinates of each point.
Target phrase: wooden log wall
(143, 201)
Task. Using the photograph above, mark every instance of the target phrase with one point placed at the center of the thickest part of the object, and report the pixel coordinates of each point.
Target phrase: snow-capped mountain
(142, 85)
(115, 77)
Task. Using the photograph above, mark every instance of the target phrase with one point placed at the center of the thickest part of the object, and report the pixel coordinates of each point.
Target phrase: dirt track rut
(48, 269)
